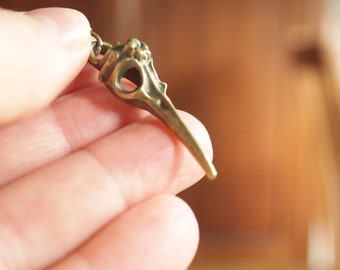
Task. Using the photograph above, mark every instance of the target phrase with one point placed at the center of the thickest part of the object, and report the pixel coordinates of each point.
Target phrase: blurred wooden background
(251, 72)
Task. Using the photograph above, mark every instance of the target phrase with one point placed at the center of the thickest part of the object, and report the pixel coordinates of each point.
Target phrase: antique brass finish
(133, 61)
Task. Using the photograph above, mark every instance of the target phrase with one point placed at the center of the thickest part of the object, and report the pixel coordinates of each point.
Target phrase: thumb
(41, 52)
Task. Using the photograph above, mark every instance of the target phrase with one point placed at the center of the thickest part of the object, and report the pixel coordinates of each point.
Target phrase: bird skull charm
(133, 62)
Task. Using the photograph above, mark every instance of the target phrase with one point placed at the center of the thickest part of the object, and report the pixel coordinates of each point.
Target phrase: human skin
(86, 181)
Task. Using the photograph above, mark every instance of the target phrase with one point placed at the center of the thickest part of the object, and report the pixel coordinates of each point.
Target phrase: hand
(81, 173)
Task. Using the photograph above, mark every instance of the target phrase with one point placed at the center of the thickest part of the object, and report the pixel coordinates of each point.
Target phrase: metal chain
(99, 47)
(97, 44)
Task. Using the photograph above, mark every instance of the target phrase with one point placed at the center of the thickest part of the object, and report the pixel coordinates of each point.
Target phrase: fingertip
(183, 229)
(70, 27)
(200, 132)
(193, 169)
(172, 227)
(45, 49)
(159, 233)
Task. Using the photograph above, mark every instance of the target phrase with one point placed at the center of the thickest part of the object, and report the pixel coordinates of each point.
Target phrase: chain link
(96, 44)
(99, 47)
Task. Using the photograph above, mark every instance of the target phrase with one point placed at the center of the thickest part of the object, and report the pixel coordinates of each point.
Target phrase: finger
(71, 123)
(87, 77)
(45, 49)
(160, 233)
(65, 202)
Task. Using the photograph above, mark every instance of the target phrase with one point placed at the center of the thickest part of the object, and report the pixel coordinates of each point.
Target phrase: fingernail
(70, 27)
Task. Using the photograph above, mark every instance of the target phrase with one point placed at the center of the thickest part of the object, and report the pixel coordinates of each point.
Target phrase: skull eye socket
(130, 80)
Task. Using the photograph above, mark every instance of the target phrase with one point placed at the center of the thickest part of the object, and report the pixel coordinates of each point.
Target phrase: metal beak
(133, 61)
